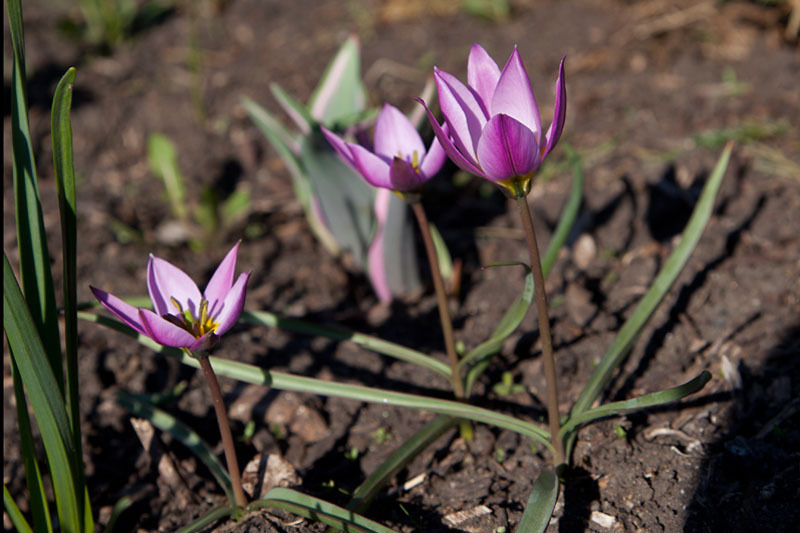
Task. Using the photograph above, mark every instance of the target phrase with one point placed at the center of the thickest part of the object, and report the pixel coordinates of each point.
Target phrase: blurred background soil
(655, 89)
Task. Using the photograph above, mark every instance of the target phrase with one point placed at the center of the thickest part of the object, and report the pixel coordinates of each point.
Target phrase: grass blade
(218, 513)
(34, 259)
(263, 318)
(399, 459)
(61, 133)
(259, 376)
(541, 503)
(666, 277)
(296, 111)
(635, 404)
(46, 399)
(163, 158)
(14, 514)
(319, 510)
(169, 424)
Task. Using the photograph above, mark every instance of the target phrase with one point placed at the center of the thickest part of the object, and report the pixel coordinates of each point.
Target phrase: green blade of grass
(260, 376)
(541, 503)
(624, 340)
(163, 158)
(202, 523)
(399, 459)
(263, 318)
(166, 422)
(46, 399)
(635, 404)
(319, 510)
(34, 259)
(14, 514)
(120, 507)
(61, 133)
(296, 111)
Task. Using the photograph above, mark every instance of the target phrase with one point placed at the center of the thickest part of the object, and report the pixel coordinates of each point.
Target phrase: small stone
(603, 520)
(274, 470)
(584, 251)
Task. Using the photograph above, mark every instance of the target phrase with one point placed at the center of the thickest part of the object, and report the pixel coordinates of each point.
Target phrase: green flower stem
(441, 297)
(544, 330)
(224, 430)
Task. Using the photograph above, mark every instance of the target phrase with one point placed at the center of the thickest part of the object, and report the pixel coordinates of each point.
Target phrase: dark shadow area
(669, 206)
(580, 490)
(749, 477)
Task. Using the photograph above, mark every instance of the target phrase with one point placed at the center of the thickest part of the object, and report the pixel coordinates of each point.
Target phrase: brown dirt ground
(644, 78)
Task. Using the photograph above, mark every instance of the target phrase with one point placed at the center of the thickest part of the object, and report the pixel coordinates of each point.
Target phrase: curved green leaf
(263, 318)
(45, 397)
(296, 111)
(319, 510)
(541, 503)
(340, 92)
(399, 459)
(14, 514)
(216, 514)
(166, 422)
(279, 380)
(635, 404)
(666, 277)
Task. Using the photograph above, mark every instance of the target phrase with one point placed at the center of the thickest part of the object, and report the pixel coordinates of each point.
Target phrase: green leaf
(46, 399)
(319, 510)
(541, 503)
(399, 249)
(442, 253)
(34, 259)
(164, 421)
(14, 514)
(61, 133)
(120, 507)
(398, 460)
(479, 356)
(263, 318)
(340, 92)
(624, 340)
(279, 380)
(163, 158)
(635, 404)
(296, 111)
(213, 516)
(344, 197)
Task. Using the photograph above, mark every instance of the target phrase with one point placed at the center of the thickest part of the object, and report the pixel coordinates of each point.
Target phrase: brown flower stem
(544, 330)
(441, 297)
(224, 430)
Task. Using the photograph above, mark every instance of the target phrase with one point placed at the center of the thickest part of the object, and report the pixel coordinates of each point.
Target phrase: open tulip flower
(182, 316)
(493, 128)
(399, 160)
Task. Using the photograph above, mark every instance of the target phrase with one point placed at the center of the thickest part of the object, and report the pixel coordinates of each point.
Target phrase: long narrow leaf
(169, 424)
(37, 496)
(635, 404)
(61, 133)
(45, 398)
(279, 380)
(218, 513)
(666, 277)
(399, 459)
(319, 510)
(541, 503)
(296, 111)
(340, 92)
(263, 318)
(34, 259)
(14, 514)
(479, 356)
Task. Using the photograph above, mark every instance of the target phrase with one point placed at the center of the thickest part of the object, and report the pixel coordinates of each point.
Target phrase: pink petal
(374, 169)
(341, 147)
(482, 75)
(514, 95)
(122, 310)
(222, 280)
(395, 135)
(468, 164)
(433, 160)
(375, 262)
(560, 112)
(403, 176)
(507, 148)
(462, 111)
(232, 305)
(165, 332)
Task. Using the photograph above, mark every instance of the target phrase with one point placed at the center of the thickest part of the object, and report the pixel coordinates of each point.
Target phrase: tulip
(492, 127)
(399, 160)
(182, 316)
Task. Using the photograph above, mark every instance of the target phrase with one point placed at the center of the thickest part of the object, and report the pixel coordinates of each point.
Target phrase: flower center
(194, 325)
(414, 162)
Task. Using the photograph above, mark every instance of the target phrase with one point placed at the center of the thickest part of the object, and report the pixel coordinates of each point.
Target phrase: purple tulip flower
(399, 160)
(493, 128)
(183, 317)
